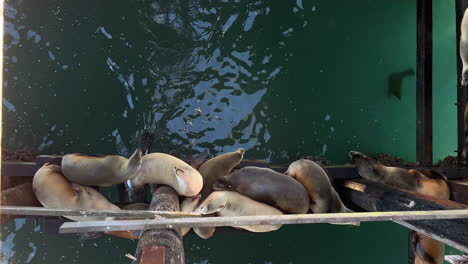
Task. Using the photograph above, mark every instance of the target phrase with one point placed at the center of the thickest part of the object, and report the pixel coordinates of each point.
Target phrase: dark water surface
(281, 79)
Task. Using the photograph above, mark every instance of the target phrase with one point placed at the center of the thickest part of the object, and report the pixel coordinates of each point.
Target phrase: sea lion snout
(352, 154)
(221, 185)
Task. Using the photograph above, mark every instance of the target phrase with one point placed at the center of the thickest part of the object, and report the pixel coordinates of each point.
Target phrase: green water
(280, 78)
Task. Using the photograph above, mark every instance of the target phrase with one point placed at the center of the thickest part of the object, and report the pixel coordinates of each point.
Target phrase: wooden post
(424, 83)
(375, 196)
(161, 246)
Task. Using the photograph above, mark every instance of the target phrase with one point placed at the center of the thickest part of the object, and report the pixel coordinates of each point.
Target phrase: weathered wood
(457, 259)
(42, 211)
(1, 78)
(93, 226)
(151, 240)
(459, 191)
(14, 169)
(424, 83)
(380, 197)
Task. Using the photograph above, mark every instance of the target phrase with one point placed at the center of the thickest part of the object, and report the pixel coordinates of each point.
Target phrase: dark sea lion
(54, 191)
(161, 168)
(225, 203)
(101, 170)
(427, 250)
(267, 186)
(323, 197)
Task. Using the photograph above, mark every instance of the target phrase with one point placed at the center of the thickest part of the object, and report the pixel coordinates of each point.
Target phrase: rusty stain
(153, 255)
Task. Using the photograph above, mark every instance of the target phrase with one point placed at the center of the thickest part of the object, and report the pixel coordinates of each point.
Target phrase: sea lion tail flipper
(196, 160)
(136, 157)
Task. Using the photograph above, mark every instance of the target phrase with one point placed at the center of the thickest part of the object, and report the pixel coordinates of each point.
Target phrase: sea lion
(411, 180)
(102, 170)
(226, 203)
(427, 250)
(211, 170)
(267, 186)
(464, 48)
(323, 197)
(216, 167)
(54, 191)
(188, 205)
(161, 168)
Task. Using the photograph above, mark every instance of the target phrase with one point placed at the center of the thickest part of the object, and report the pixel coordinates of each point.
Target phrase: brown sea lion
(267, 186)
(216, 167)
(225, 203)
(411, 180)
(211, 170)
(427, 250)
(20, 195)
(323, 197)
(54, 191)
(161, 168)
(102, 170)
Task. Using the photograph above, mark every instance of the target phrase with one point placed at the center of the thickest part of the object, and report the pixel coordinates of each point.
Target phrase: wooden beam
(42, 211)
(424, 83)
(380, 197)
(2, 4)
(460, 6)
(457, 259)
(14, 169)
(459, 191)
(159, 246)
(93, 226)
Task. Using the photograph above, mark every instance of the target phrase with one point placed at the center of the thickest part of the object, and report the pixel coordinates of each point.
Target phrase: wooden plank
(424, 83)
(42, 211)
(92, 226)
(380, 197)
(460, 6)
(457, 259)
(158, 246)
(337, 172)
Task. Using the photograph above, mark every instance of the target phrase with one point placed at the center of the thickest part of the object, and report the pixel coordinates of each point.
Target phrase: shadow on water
(395, 82)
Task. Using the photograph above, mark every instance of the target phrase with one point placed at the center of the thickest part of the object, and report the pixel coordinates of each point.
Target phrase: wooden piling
(161, 246)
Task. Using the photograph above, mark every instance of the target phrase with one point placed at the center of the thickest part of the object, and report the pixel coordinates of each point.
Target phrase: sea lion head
(214, 203)
(189, 180)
